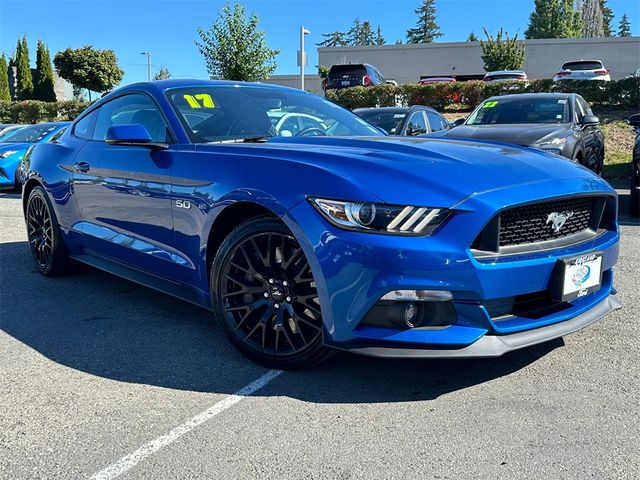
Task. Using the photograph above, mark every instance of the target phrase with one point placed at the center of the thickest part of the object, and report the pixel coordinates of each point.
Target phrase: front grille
(532, 223)
(544, 225)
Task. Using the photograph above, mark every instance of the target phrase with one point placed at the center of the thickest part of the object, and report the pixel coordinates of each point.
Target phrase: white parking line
(129, 461)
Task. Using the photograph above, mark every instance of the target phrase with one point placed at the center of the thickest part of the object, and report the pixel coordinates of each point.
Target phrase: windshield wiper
(256, 139)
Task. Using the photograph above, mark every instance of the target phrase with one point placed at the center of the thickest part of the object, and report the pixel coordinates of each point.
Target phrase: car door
(417, 124)
(124, 199)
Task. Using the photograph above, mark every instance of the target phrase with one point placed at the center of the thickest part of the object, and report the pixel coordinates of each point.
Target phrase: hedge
(34, 111)
(467, 95)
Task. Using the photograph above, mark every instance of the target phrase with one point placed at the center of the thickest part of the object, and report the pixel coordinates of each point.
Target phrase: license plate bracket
(577, 276)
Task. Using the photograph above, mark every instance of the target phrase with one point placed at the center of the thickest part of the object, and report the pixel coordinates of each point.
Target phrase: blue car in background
(14, 145)
(335, 236)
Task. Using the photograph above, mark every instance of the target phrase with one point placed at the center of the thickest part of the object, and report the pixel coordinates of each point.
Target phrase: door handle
(82, 167)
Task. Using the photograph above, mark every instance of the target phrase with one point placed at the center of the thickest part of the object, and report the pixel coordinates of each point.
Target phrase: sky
(168, 28)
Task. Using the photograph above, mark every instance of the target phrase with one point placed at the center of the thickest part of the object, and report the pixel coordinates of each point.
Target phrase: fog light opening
(410, 315)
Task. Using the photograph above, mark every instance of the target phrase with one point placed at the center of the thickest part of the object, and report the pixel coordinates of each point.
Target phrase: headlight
(381, 218)
(7, 153)
(553, 142)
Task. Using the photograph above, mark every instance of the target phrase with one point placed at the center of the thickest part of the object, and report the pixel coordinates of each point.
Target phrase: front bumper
(354, 270)
(497, 345)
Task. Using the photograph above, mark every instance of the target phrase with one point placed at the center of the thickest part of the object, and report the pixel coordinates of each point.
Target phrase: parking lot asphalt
(94, 368)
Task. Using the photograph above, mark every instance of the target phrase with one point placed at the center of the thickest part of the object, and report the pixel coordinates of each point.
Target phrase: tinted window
(30, 134)
(417, 124)
(389, 121)
(84, 128)
(235, 113)
(436, 121)
(348, 71)
(521, 110)
(582, 66)
(132, 109)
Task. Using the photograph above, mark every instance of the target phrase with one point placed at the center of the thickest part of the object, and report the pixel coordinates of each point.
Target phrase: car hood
(397, 170)
(13, 146)
(519, 134)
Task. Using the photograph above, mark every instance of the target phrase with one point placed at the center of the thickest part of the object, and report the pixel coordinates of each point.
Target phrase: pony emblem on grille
(558, 219)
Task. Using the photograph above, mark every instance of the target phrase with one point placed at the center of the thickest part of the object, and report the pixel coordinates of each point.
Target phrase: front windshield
(389, 121)
(30, 134)
(235, 113)
(521, 110)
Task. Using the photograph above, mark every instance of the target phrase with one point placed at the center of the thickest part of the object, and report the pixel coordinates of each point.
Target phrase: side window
(84, 128)
(436, 122)
(417, 124)
(132, 109)
(584, 106)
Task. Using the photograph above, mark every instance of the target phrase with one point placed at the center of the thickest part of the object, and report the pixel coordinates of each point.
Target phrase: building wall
(406, 63)
(312, 83)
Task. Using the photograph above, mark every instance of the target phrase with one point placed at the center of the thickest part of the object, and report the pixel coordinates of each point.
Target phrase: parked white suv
(502, 75)
(583, 70)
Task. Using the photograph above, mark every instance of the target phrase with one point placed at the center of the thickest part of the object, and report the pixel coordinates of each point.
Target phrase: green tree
(44, 84)
(323, 71)
(426, 29)
(624, 28)
(502, 52)
(472, 37)
(163, 74)
(88, 68)
(333, 39)
(607, 18)
(379, 40)
(5, 93)
(354, 35)
(25, 80)
(234, 48)
(366, 36)
(592, 19)
(554, 19)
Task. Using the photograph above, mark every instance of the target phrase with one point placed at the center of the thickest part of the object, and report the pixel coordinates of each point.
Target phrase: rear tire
(264, 296)
(48, 250)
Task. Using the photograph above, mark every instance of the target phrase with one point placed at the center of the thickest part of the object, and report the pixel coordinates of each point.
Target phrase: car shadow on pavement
(624, 209)
(109, 327)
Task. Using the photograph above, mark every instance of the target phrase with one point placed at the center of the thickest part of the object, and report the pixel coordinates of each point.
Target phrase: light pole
(148, 54)
(302, 56)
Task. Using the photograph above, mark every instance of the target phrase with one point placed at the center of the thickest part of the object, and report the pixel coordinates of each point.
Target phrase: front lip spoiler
(497, 345)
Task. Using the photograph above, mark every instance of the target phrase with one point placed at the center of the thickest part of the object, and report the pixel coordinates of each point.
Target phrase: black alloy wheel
(265, 295)
(43, 232)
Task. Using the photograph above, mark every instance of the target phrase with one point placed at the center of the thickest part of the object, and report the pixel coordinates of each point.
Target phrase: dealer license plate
(580, 275)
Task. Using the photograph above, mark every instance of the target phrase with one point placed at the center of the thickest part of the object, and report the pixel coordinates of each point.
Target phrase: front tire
(264, 296)
(48, 251)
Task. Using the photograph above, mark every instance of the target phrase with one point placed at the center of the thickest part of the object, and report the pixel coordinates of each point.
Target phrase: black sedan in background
(562, 123)
(408, 121)
(634, 121)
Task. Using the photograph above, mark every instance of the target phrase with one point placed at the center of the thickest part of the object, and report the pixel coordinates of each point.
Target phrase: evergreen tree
(25, 81)
(234, 48)
(353, 34)
(426, 29)
(379, 38)
(44, 84)
(333, 39)
(554, 19)
(607, 18)
(472, 37)
(366, 34)
(502, 54)
(624, 29)
(5, 94)
(163, 74)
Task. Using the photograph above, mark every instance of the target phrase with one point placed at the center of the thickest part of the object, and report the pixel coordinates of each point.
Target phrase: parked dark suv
(353, 75)
(634, 121)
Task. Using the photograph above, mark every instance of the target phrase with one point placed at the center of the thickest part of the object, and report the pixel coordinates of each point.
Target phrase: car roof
(525, 96)
(505, 72)
(392, 109)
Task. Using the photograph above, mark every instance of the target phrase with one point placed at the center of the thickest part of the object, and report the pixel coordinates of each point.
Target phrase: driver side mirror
(457, 122)
(590, 120)
(133, 135)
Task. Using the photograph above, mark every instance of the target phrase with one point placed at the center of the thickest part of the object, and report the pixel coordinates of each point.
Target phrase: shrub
(34, 111)
(469, 94)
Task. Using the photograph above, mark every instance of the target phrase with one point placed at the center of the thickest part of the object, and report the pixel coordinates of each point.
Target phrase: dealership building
(406, 63)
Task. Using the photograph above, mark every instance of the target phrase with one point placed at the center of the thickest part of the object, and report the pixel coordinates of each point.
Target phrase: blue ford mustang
(326, 235)
(14, 145)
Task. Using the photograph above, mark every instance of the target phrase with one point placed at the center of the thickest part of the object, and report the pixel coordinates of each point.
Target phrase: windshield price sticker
(200, 100)
(490, 104)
